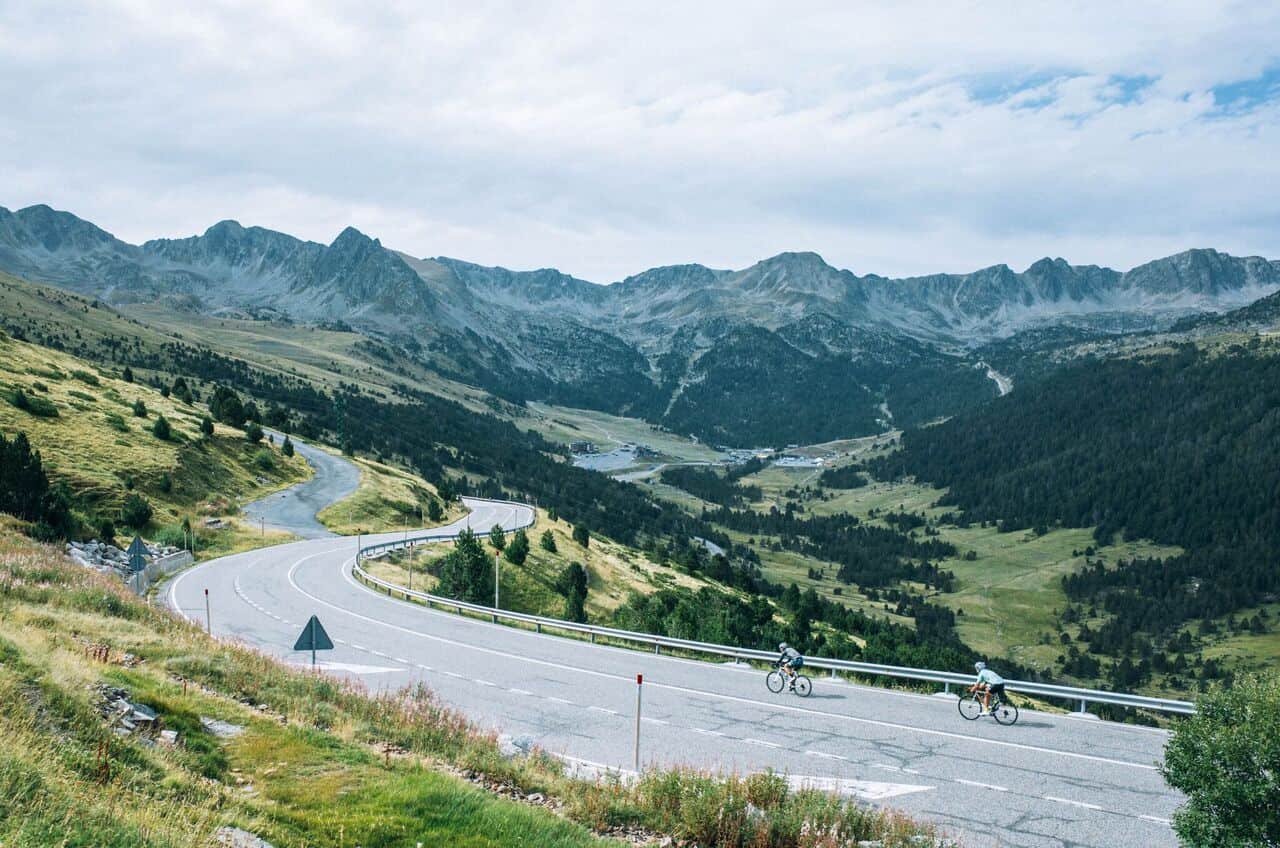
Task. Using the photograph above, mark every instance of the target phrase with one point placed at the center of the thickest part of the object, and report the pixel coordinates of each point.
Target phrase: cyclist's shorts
(798, 662)
(997, 688)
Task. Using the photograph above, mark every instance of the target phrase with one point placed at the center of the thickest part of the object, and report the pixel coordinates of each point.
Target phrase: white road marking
(559, 700)
(868, 790)
(480, 682)
(602, 710)
(654, 721)
(519, 691)
(353, 668)
(1080, 804)
(824, 755)
(1155, 819)
(761, 742)
(981, 785)
(706, 732)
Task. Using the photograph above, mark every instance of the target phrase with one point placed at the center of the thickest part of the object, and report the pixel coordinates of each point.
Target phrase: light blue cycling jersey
(989, 677)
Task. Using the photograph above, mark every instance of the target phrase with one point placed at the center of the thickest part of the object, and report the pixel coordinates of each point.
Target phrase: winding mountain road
(1050, 780)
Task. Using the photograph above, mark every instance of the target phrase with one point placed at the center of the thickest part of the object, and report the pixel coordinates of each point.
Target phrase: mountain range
(721, 354)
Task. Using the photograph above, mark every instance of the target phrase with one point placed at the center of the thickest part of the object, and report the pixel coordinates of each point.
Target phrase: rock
(221, 729)
(514, 746)
(234, 837)
(169, 738)
(536, 798)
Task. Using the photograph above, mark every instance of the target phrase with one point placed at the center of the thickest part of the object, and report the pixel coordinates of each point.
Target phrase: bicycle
(775, 680)
(1003, 710)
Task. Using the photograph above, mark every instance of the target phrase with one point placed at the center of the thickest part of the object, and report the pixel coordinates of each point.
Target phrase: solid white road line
(761, 742)
(981, 785)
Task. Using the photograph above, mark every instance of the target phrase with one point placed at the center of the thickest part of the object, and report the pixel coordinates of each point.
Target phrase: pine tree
(286, 447)
(581, 535)
(161, 429)
(497, 537)
(139, 408)
(127, 374)
(465, 572)
(517, 551)
(573, 584)
(548, 541)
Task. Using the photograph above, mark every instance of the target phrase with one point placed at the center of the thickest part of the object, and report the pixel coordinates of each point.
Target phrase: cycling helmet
(979, 666)
(782, 646)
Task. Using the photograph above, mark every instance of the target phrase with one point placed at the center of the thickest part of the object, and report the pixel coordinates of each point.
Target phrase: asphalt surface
(294, 509)
(1050, 780)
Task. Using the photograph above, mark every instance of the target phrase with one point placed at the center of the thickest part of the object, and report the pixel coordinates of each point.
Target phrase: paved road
(294, 509)
(1050, 780)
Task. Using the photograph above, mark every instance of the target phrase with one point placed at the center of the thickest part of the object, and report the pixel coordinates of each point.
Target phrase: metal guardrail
(1078, 697)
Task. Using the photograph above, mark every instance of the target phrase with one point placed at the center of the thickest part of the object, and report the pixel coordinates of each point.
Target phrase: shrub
(1226, 758)
(127, 374)
(548, 541)
(573, 585)
(286, 447)
(206, 427)
(264, 460)
(434, 510)
(161, 429)
(181, 390)
(465, 572)
(166, 483)
(86, 377)
(225, 406)
(37, 406)
(135, 512)
(252, 433)
(25, 491)
(497, 537)
(139, 409)
(107, 530)
(517, 551)
(581, 535)
(115, 422)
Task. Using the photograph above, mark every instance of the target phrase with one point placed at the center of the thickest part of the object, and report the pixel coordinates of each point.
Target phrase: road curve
(294, 509)
(1050, 780)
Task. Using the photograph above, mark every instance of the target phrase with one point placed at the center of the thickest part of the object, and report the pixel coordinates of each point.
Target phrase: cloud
(604, 139)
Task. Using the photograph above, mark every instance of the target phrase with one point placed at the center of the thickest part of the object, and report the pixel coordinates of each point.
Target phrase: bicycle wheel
(774, 681)
(970, 707)
(803, 686)
(1005, 713)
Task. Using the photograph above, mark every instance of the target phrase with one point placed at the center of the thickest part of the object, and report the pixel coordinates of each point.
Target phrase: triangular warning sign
(313, 637)
(137, 548)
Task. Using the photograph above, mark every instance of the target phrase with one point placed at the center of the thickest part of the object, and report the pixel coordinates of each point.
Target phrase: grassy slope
(310, 768)
(386, 499)
(614, 572)
(96, 444)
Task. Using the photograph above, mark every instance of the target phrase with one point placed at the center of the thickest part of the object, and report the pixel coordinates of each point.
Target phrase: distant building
(583, 447)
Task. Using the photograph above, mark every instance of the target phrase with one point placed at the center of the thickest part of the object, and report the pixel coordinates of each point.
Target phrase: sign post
(497, 578)
(208, 625)
(639, 687)
(313, 639)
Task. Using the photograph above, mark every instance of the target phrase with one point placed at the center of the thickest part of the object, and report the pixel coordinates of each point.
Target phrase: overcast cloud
(604, 139)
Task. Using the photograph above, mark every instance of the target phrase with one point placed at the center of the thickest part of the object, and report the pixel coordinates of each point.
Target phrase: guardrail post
(657, 649)
(593, 638)
(538, 626)
(1082, 705)
(946, 688)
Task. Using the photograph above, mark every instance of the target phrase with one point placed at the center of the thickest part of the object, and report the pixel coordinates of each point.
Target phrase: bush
(581, 535)
(37, 406)
(166, 483)
(127, 374)
(252, 433)
(1226, 758)
(107, 530)
(517, 551)
(25, 491)
(86, 377)
(139, 409)
(225, 406)
(286, 447)
(573, 585)
(115, 422)
(135, 512)
(548, 541)
(206, 427)
(434, 510)
(161, 429)
(466, 573)
(264, 460)
(497, 537)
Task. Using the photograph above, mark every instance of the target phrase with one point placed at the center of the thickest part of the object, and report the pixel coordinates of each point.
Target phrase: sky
(606, 138)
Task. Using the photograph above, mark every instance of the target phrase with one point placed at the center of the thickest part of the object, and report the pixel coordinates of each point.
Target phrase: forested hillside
(1182, 448)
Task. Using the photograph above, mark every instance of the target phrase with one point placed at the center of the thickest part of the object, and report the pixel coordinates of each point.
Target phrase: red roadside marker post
(208, 625)
(639, 687)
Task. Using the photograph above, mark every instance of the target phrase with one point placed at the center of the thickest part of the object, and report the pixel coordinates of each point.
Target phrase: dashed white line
(1068, 801)
(602, 710)
(991, 786)
(654, 721)
(424, 667)
(453, 674)
(401, 660)
(1155, 819)
(559, 700)
(885, 766)
(516, 691)
(480, 682)
(359, 647)
(761, 742)
(824, 755)
(706, 732)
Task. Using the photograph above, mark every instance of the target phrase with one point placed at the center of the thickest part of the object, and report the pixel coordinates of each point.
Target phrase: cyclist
(789, 662)
(989, 683)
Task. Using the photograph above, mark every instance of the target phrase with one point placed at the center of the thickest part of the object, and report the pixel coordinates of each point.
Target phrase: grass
(614, 572)
(386, 499)
(313, 766)
(566, 425)
(102, 451)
